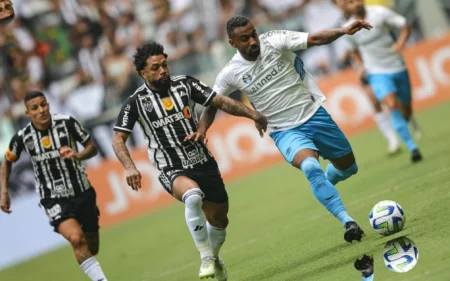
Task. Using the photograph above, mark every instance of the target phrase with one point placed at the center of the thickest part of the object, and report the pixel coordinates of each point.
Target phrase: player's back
(376, 45)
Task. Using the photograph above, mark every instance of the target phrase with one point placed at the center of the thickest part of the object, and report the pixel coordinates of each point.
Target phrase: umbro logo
(62, 135)
(199, 227)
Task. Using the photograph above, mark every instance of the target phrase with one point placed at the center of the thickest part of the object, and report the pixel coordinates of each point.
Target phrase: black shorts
(207, 176)
(82, 207)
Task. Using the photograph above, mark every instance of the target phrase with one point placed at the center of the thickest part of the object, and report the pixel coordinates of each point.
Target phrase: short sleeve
(128, 116)
(222, 86)
(286, 40)
(391, 18)
(15, 148)
(200, 93)
(77, 131)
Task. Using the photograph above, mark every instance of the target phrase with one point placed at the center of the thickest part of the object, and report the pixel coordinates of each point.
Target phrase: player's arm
(82, 136)
(358, 62)
(327, 36)
(404, 35)
(12, 155)
(124, 126)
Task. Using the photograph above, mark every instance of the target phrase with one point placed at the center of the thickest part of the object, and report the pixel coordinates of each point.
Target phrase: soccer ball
(387, 217)
(400, 255)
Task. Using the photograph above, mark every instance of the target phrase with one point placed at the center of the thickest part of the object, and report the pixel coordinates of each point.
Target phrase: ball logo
(187, 112)
(167, 102)
(46, 142)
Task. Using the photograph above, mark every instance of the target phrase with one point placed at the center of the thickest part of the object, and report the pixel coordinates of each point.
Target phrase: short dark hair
(235, 22)
(7, 20)
(146, 51)
(31, 95)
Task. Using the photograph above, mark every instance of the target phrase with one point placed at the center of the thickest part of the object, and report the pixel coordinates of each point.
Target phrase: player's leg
(383, 121)
(405, 96)
(188, 191)
(93, 240)
(88, 215)
(386, 90)
(71, 230)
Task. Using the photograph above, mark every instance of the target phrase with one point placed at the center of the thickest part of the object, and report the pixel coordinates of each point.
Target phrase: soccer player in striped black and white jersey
(164, 107)
(61, 181)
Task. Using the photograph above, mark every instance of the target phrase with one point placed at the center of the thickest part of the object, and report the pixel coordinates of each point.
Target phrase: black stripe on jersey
(66, 180)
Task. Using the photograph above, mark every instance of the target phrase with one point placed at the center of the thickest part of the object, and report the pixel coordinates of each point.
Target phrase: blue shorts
(319, 133)
(385, 84)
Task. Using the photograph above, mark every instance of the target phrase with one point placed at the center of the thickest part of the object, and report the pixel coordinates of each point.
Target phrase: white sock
(92, 269)
(216, 238)
(196, 221)
(385, 126)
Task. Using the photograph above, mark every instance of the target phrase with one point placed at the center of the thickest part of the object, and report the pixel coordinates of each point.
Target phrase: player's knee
(77, 240)
(353, 169)
(94, 249)
(193, 198)
(312, 170)
(219, 220)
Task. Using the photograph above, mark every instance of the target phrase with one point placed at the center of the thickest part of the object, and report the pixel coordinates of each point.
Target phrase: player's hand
(261, 124)
(198, 137)
(5, 203)
(134, 178)
(356, 26)
(67, 152)
(397, 48)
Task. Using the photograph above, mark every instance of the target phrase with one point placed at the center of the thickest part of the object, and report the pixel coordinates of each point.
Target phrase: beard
(162, 84)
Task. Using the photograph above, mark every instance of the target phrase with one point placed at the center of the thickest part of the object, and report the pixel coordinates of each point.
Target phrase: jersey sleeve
(286, 40)
(15, 148)
(200, 93)
(77, 131)
(127, 117)
(391, 18)
(223, 86)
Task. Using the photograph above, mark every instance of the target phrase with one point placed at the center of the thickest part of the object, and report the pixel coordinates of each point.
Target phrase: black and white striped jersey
(55, 177)
(166, 118)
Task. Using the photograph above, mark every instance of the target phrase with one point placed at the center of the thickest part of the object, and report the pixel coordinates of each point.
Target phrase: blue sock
(401, 126)
(323, 190)
(370, 278)
(335, 175)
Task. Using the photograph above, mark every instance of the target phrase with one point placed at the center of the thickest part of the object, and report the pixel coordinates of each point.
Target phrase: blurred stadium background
(80, 53)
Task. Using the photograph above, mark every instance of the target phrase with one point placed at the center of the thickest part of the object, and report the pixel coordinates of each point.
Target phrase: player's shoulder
(142, 90)
(377, 9)
(177, 78)
(271, 34)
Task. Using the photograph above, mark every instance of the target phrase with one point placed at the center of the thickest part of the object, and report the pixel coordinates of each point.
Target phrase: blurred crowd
(80, 51)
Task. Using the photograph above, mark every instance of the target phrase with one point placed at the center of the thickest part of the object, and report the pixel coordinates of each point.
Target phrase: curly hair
(235, 22)
(146, 51)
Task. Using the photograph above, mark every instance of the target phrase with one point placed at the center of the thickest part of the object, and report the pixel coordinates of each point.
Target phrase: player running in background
(378, 53)
(164, 108)
(276, 83)
(61, 181)
(381, 118)
(6, 12)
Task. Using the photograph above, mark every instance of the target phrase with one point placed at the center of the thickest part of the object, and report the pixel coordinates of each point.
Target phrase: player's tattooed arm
(5, 201)
(89, 151)
(327, 36)
(236, 108)
(120, 149)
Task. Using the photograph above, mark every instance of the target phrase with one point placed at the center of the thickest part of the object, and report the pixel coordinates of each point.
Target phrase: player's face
(6, 11)
(342, 4)
(38, 110)
(246, 40)
(156, 73)
(356, 7)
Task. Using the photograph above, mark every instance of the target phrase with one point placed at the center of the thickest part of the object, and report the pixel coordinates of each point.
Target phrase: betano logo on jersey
(168, 103)
(266, 79)
(172, 118)
(46, 142)
(46, 156)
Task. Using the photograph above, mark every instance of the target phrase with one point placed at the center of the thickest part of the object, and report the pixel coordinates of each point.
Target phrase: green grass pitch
(278, 231)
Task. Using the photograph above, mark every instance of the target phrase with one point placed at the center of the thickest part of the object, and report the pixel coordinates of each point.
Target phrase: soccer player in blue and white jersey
(267, 70)
(378, 54)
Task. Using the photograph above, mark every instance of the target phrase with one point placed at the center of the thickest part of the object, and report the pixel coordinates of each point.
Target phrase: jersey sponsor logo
(147, 104)
(261, 68)
(168, 103)
(187, 112)
(11, 157)
(269, 57)
(29, 143)
(247, 78)
(168, 120)
(273, 32)
(46, 142)
(46, 156)
(294, 34)
(126, 112)
(200, 89)
(55, 211)
(194, 156)
(62, 135)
